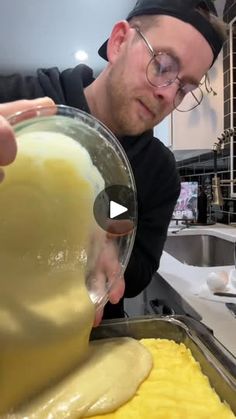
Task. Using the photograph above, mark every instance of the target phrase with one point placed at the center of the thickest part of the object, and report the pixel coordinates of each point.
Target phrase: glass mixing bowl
(36, 209)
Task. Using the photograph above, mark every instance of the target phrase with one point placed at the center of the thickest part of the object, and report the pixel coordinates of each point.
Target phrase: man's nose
(167, 93)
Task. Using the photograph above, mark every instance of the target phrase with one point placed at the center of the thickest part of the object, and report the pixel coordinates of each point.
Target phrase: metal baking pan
(216, 362)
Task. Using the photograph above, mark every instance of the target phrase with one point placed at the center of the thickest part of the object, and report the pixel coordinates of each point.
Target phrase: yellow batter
(46, 315)
(175, 389)
(101, 384)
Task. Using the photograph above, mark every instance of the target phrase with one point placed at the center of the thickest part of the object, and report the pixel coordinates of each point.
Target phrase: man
(155, 58)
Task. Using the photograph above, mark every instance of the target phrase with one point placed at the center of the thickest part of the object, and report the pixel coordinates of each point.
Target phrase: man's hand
(8, 147)
(106, 280)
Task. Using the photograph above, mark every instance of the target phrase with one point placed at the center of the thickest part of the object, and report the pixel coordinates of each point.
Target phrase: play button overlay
(115, 210)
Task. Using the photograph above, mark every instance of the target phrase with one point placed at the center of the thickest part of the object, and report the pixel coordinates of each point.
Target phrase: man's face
(135, 105)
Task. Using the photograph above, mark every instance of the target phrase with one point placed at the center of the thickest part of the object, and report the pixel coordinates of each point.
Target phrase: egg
(217, 281)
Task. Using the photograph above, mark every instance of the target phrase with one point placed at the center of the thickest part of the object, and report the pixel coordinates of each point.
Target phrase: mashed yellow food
(175, 389)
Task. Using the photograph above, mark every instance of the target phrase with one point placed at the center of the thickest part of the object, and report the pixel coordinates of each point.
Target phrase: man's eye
(163, 68)
(157, 68)
(166, 69)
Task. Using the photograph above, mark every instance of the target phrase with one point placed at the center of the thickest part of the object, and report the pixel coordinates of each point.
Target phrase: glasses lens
(185, 102)
(162, 70)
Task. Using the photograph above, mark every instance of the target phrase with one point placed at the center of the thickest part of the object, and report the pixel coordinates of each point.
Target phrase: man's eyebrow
(169, 50)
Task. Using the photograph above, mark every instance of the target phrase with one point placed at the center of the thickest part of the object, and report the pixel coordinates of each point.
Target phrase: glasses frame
(168, 82)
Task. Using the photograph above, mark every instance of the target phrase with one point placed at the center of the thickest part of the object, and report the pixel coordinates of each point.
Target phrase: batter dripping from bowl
(48, 368)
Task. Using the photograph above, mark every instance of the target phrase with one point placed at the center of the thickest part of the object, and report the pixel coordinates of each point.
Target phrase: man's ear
(117, 38)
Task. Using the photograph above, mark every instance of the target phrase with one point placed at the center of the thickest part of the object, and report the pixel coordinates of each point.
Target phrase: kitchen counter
(187, 280)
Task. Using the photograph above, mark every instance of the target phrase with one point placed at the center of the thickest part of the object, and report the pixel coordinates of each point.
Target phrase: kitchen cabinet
(199, 128)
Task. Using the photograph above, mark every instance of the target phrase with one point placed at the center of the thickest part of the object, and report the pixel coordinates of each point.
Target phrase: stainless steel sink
(200, 250)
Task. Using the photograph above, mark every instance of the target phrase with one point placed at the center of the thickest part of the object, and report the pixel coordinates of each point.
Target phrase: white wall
(200, 127)
(163, 131)
(46, 33)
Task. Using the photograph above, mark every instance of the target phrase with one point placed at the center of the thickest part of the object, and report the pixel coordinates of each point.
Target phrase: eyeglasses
(162, 70)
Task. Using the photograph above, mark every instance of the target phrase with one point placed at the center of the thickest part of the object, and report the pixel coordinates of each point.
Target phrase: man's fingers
(7, 143)
(8, 146)
(110, 265)
(115, 294)
(8, 109)
(98, 317)
(117, 290)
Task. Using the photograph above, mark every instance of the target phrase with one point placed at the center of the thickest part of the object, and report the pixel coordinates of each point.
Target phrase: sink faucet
(186, 225)
(216, 181)
(216, 191)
